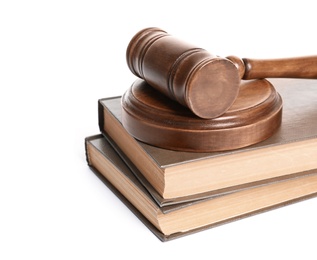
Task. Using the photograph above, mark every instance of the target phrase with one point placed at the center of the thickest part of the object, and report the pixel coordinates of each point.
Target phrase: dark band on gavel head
(206, 84)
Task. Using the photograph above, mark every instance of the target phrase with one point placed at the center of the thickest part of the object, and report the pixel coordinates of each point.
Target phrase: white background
(57, 58)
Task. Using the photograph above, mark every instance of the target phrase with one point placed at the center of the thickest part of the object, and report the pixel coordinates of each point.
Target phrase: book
(177, 175)
(174, 221)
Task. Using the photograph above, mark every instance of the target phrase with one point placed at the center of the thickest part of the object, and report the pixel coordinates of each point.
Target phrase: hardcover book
(173, 221)
(183, 176)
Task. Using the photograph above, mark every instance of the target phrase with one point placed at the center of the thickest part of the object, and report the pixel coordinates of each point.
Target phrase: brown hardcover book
(178, 176)
(169, 222)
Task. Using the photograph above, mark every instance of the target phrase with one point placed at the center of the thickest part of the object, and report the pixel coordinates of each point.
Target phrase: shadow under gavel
(205, 83)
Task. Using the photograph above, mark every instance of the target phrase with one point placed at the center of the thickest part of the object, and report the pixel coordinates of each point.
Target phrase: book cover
(299, 122)
(263, 198)
(298, 131)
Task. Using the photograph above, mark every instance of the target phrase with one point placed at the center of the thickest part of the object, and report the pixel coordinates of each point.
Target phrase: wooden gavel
(205, 83)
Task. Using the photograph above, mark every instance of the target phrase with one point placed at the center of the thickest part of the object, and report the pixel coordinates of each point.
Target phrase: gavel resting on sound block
(206, 84)
(222, 103)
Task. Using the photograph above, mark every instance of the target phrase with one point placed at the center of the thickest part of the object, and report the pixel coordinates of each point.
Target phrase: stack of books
(177, 193)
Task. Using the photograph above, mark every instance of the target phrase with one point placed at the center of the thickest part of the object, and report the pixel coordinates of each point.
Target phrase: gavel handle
(298, 67)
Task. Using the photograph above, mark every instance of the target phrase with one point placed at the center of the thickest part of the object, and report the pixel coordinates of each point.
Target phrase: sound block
(153, 118)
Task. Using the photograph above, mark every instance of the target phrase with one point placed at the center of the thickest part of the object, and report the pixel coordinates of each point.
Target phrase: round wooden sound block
(153, 118)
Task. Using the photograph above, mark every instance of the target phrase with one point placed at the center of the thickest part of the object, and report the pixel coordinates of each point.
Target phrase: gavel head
(206, 84)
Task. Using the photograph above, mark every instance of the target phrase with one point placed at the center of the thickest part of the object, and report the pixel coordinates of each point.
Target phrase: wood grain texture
(297, 67)
(205, 83)
(153, 118)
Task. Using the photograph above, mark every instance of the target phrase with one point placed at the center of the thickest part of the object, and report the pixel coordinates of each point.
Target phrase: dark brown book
(182, 219)
(178, 176)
